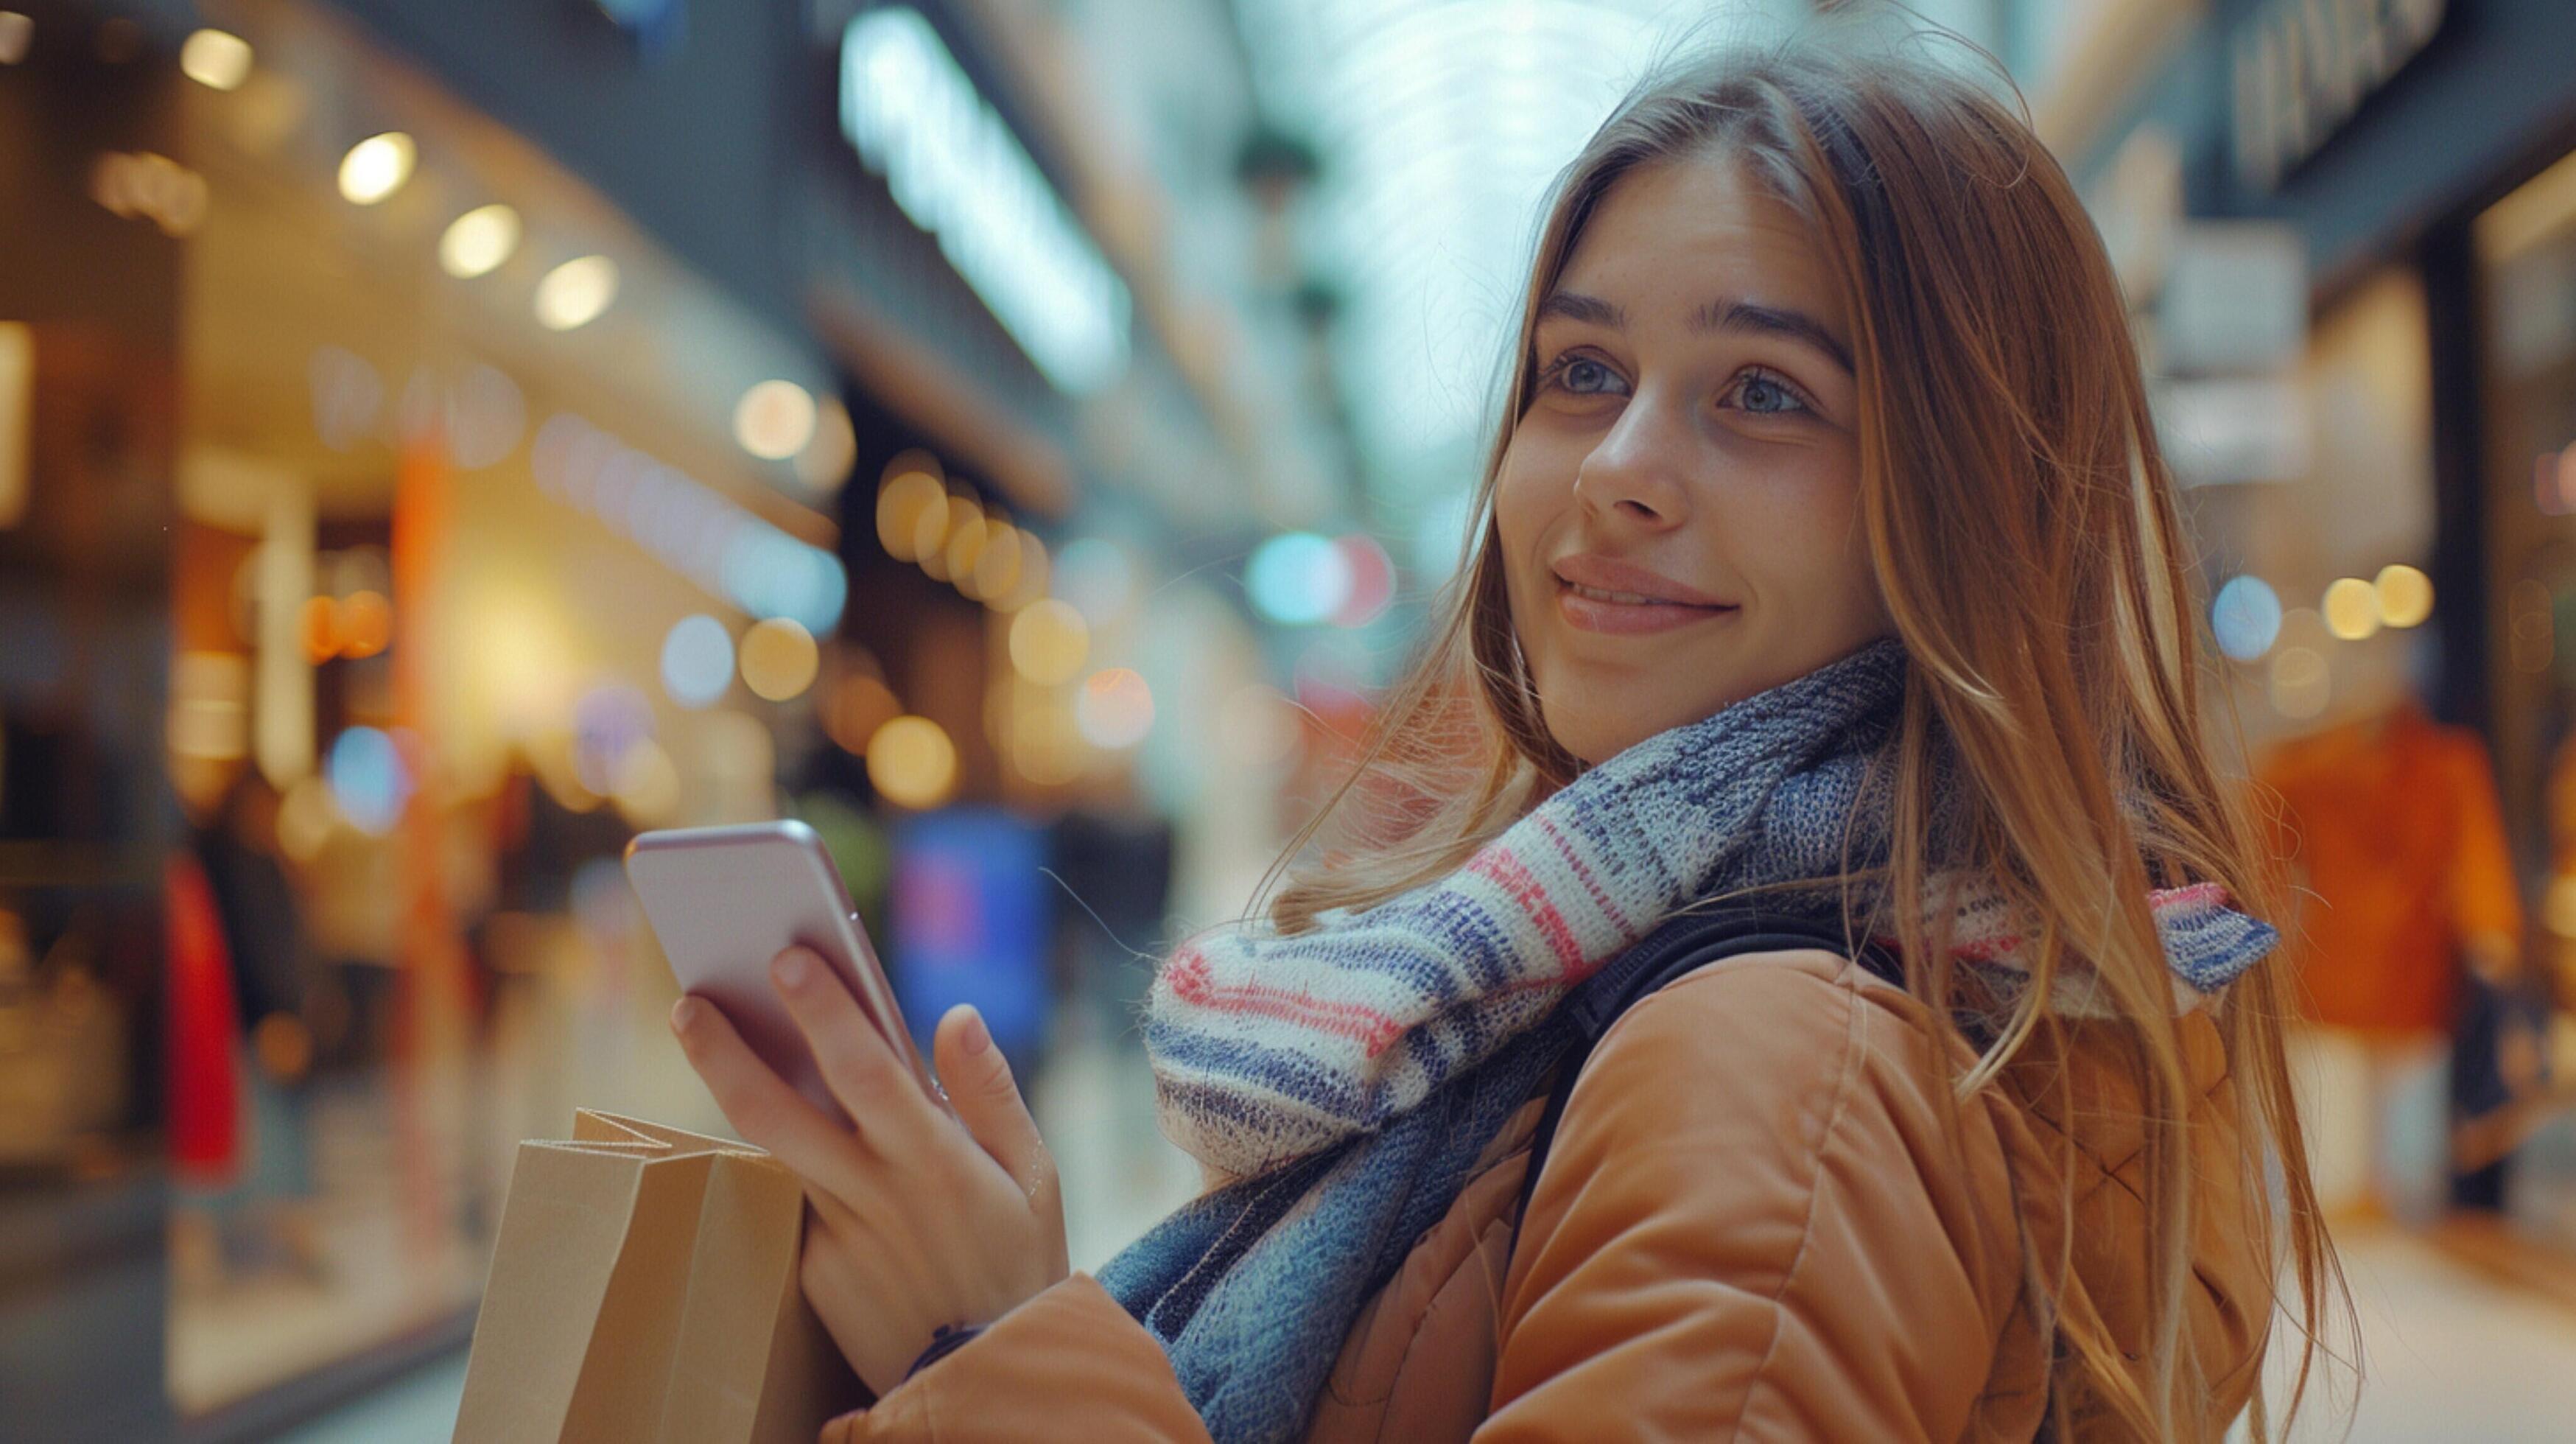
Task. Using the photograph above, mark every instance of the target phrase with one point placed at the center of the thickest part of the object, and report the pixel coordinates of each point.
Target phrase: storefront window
(2526, 251)
(446, 631)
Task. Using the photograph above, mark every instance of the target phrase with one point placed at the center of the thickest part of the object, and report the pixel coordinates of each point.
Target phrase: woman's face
(1678, 508)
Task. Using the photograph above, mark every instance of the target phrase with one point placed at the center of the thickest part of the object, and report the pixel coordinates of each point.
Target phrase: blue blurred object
(658, 27)
(969, 924)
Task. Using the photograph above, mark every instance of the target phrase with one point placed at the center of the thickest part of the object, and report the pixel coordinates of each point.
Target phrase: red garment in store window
(2397, 857)
(204, 1032)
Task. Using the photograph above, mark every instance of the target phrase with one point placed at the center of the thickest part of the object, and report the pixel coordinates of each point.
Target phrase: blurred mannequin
(2402, 878)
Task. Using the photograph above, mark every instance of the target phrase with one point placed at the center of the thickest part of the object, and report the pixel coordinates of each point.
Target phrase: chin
(1594, 733)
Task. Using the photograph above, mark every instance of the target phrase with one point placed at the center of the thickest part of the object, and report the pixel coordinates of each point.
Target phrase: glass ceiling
(1441, 124)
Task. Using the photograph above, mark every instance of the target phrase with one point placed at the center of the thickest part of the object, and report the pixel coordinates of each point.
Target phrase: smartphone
(724, 901)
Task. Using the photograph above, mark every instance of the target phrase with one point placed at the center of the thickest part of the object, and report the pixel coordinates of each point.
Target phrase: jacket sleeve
(1760, 1220)
(1068, 1364)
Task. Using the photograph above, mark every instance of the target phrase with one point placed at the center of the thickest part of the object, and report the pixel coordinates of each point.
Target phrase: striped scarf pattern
(1269, 1048)
(1348, 1077)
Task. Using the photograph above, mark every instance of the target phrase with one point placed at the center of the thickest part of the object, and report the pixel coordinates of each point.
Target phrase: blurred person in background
(2408, 920)
(1827, 572)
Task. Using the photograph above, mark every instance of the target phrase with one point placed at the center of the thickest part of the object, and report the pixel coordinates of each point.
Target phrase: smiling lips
(1602, 594)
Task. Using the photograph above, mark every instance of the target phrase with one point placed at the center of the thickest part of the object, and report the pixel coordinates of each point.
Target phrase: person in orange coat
(2396, 852)
(2398, 857)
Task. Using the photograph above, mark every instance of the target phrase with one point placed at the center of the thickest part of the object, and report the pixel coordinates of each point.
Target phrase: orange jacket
(2391, 829)
(1759, 1220)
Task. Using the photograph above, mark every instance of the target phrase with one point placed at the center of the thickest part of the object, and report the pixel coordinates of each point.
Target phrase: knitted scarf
(1351, 1075)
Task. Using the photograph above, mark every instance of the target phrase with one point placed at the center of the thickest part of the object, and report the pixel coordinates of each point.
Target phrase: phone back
(724, 901)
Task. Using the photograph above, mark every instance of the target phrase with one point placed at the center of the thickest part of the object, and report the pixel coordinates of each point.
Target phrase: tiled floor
(2452, 1354)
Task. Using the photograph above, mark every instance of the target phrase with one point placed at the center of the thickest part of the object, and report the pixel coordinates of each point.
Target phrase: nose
(1637, 474)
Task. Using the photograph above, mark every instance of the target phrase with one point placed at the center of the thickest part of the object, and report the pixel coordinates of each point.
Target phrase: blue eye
(1764, 396)
(1581, 376)
(1584, 376)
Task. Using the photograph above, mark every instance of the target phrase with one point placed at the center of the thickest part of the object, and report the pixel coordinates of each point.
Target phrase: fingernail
(684, 1015)
(977, 1039)
(793, 970)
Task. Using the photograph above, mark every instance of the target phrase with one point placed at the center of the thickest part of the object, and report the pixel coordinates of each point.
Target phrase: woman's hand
(915, 1223)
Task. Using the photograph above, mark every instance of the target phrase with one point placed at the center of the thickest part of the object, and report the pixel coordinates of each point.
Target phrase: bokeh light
(477, 242)
(376, 167)
(2301, 682)
(1372, 580)
(1046, 744)
(996, 573)
(911, 763)
(779, 659)
(826, 460)
(2351, 609)
(369, 782)
(1298, 578)
(932, 534)
(1049, 642)
(366, 624)
(1115, 709)
(774, 420)
(575, 293)
(902, 502)
(697, 661)
(967, 529)
(2405, 596)
(317, 629)
(215, 59)
(646, 787)
(2245, 616)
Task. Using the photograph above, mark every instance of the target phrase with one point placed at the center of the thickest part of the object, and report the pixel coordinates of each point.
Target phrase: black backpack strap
(1678, 948)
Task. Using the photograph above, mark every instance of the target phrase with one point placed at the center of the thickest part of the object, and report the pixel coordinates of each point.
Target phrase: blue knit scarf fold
(1252, 1288)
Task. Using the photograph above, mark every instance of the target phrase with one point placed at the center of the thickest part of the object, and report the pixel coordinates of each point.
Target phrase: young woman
(1826, 567)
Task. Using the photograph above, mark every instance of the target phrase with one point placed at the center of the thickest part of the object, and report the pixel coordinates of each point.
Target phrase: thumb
(987, 1098)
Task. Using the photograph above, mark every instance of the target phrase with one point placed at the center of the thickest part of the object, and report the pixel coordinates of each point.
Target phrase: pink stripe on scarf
(1583, 874)
(1191, 982)
(1498, 866)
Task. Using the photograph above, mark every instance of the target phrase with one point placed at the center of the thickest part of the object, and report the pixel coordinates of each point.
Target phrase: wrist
(944, 1340)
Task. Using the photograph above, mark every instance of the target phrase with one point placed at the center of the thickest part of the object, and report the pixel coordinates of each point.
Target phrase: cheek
(1819, 564)
(1527, 503)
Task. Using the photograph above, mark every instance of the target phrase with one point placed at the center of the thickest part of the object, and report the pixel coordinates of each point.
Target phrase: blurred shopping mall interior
(440, 439)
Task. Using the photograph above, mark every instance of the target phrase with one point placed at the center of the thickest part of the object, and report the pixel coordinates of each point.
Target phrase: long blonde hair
(2021, 522)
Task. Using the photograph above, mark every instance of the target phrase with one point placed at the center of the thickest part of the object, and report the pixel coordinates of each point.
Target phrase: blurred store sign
(970, 920)
(956, 169)
(706, 538)
(2302, 67)
(2234, 429)
(2138, 205)
(2235, 298)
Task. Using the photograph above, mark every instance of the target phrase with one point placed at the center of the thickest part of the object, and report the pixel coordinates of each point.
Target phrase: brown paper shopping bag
(643, 1291)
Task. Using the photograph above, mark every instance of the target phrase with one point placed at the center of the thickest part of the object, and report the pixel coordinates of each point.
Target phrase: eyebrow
(1723, 314)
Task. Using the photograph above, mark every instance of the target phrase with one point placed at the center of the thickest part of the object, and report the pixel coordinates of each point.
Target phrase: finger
(987, 1098)
(761, 1107)
(857, 1063)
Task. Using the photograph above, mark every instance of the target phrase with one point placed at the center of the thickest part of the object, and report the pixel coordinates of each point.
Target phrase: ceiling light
(215, 59)
(478, 241)
(376, 167)
(774, 420)
(574, 293)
